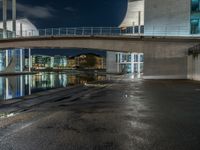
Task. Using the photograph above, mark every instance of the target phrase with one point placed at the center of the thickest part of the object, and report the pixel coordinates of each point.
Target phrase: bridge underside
(164, 58)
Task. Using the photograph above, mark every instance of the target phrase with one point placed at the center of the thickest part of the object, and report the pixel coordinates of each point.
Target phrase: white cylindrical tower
(135, 14)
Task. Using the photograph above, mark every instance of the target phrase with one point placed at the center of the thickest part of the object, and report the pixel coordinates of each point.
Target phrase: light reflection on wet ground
(22, 85)
(127, 114)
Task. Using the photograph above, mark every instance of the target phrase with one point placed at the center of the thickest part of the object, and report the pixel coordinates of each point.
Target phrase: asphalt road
(123, 115)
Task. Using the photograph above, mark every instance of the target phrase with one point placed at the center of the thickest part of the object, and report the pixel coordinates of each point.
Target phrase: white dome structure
(23, 27)
(135, 14)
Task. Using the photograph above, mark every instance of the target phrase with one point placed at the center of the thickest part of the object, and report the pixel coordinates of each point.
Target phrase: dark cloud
(41, 12)
(70, 9)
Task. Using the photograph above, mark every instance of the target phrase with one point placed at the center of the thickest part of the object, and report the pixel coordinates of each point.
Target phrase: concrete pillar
(7, 61)
(133, 27)
(30, 84)
(4, 18)
(21, 30)
(21, 86)
(139, 63)
(139, 22)
(165, 68)
(7, 89)
(132, 63)
(21, 60)
(118, 61)
(14, 17)
(29, 60)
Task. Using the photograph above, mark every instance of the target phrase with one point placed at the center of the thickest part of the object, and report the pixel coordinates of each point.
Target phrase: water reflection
(17, 86)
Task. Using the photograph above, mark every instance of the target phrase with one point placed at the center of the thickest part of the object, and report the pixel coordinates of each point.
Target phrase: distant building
(45, 62)
(172, 17)
(71, 63)
(85, 61)
(125, 62)
(42, 62)
(23, 28)
(60, 62)
(90, 61)
(134, 19)
(134, 22)
(14, 60)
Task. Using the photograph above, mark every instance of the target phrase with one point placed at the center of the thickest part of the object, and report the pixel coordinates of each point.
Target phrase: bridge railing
(85, 31)
(79, 31)
(103, 31)
(167, 30)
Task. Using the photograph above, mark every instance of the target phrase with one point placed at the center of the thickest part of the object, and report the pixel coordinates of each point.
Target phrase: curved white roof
(134, 7)
(28, 28)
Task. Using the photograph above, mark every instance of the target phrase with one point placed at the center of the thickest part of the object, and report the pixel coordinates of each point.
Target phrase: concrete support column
(139, 22)
(21, 30)
(133, 27)
(7, 62)
(139, 63)
(120, 57)
(118, 62)
(30, 84)
(132, 63)
(7, 89)
(21, 86)
(14, 17)
(29, 60)
(4, 18)
(21, 60)
(165, 68)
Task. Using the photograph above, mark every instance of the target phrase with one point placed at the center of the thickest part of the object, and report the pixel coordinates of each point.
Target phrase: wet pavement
(114, 115)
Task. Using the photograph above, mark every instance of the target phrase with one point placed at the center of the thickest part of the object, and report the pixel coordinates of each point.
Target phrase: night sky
(72, 13)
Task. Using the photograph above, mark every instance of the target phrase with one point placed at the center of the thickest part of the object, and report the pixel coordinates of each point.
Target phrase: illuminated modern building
(125, 62)
(172, 17)
(135, 16)
(168, 17)
(41, 62)
(90, 61)
(71, 63)
(47, 62)
(60, 62)
(14, 60)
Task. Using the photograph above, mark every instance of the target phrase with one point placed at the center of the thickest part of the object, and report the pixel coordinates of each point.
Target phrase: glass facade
(12, 60)
(195, 17)
(130, 62)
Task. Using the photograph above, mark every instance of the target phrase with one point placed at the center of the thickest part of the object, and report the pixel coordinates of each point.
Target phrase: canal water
(22, 85)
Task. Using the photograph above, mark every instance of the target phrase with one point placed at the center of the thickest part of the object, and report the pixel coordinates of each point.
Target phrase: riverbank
(119, 114)
(71, 92)
(16, 73)
(74, 71)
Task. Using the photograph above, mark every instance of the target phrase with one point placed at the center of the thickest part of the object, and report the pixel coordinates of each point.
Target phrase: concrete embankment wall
(194, 67)
(165, 61)
(111, 63)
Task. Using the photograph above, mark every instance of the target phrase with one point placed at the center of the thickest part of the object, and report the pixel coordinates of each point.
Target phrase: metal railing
(79, 31)
(103, 31)
(167, 30)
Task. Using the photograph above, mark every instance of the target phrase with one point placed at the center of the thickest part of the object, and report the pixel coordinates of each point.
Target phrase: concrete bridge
(165, 57)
